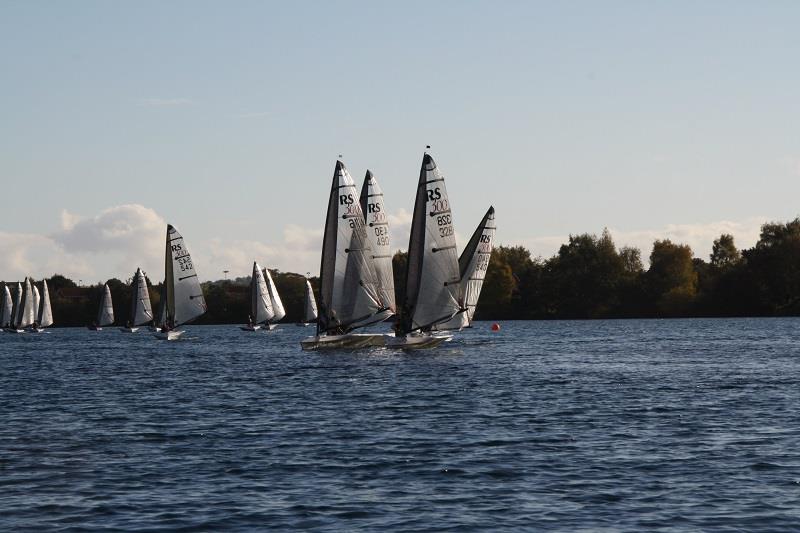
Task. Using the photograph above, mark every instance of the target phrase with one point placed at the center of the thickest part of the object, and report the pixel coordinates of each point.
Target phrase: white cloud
(700, 237)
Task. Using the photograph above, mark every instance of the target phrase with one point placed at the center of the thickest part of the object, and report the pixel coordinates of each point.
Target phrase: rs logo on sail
(345, 199)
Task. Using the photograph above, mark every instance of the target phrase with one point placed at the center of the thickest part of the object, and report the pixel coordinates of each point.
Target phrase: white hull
(129, 330)
(417, 342)
(173, 335)
(336, 342)
(303, 324)
(250, 328)
(375, 339)
(14, 330)
(269, 327)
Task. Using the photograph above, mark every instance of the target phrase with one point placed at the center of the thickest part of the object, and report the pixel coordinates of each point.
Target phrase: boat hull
(336, 342)
(172, 335)
(129, 330)
(94, 328)
(417, 342)
(250, 328)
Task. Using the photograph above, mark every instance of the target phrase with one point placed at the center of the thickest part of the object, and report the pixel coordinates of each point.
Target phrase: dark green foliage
(588, 278)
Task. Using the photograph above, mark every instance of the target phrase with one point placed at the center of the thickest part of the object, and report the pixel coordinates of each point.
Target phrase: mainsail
(472, 265)
(162, 305)
(277, 304)
(45, 316)
(17, 303)
(185, 300)
(433, 292)
(378, 235)
(310, 311)
(105, 315)
(7, 308)
(260, 303)
(348, 291)
(141, 310)
(25, 316)
(36, 301)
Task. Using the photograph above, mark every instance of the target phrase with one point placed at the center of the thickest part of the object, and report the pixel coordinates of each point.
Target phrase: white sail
(433, 292)
(105, 315)
(141, 310)
(348, 287)
(45, 317)
(277, 304)
(17, 303)
(7, 308)
(310, 312)
(472, 265)
(185, 301)
(377, 222)
(36, 301)
(261, 309)
(25, 315)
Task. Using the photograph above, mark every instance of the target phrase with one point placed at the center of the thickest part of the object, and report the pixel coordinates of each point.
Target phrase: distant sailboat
(349, 296)
(185, 300)
(105, 314)
(472, 265)
(377, 222)
(162, 308)
(141, 310)
(261, 310)
(6, 308)
(44, 317)
(24, 316)
(433, 293)
(15, 308)
(310, 308)
(36, 300)
(277, 304)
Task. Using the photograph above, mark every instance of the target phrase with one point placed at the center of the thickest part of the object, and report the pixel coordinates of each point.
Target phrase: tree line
(589, 277)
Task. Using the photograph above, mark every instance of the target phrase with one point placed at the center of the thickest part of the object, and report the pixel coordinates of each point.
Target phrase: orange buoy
(495, 327)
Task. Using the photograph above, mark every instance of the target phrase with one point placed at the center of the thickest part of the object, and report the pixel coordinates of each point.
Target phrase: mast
(432, 275)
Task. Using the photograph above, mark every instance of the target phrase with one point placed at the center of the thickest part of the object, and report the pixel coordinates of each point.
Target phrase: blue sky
(671, 119)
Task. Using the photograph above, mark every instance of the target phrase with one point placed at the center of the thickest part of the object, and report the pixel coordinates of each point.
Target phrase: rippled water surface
(615, 425)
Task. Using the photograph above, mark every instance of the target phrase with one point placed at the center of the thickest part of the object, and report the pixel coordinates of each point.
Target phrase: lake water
(596, 425)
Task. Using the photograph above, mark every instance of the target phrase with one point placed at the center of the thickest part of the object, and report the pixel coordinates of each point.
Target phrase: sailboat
(185, 301)
(141, 310)
(433, 293)
(310, 308)
(6, 308)
(36, 300)
(349, 297)
(377, 222)
(277, 304)
(15, 307)
(472, 265)
(261, 310)
(105, 314)
(23, 316)
(44, 313)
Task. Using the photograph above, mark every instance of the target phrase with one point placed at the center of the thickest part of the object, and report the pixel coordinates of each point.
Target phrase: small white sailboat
(15, 309)
(310, 308)
(44, 316)
(141, 310)
(433, 293)
(24, 316)
(6, 308)
(105, 314)
(261, 310)
(36, 300)
(349, 296)
(185, 301)
(277, 304)
(472, 265)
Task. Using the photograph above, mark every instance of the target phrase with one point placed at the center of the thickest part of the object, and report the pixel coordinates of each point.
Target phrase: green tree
(671, 279)
(724, 253)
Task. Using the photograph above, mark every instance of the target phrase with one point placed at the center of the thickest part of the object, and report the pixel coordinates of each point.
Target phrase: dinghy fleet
(356, 277)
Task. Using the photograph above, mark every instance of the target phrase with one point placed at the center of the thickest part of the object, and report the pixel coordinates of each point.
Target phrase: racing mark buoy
(495, 327)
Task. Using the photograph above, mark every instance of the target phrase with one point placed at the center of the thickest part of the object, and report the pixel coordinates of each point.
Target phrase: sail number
(182, 257)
